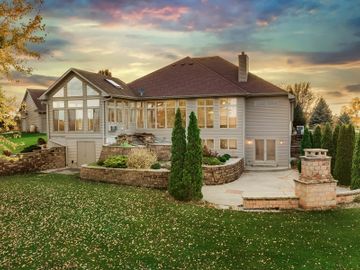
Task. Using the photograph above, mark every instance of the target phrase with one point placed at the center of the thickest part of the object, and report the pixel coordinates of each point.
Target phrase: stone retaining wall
(221, 174)
(159, 178)
(163, 151)
(133, 177)
(38, 160)
(270, 203)
(343, 197)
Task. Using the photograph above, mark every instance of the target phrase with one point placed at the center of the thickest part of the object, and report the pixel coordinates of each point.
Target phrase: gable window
(228, 144)
(59, 93)
(59, 120)
(91, 91)
(228, 113)
(58, 104)
(205, 111)
(74, 88)
(93, 114)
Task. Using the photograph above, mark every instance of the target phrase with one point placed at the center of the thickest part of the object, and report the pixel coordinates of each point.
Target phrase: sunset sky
(287, 41)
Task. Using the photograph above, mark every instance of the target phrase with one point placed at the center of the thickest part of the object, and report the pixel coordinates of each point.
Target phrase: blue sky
(287, 41)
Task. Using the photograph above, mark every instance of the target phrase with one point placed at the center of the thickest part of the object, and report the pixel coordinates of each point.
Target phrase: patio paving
(253, 184)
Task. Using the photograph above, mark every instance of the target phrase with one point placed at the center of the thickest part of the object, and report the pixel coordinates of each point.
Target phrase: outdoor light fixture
(281, 142)
(249, 141)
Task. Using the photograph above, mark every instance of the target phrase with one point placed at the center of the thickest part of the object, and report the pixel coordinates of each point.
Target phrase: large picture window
(59, 120)
(150, 115)
(93, 119)
(205, 113)
(228, 113)
(74, 88)
(75, 119)
(140, 115)
(160, 114)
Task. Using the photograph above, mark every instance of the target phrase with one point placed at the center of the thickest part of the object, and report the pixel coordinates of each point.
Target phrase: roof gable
(97, 81)
(35, 94)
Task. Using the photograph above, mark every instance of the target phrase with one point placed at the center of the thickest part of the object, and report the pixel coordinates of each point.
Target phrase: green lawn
(57, 221)
(26, 139)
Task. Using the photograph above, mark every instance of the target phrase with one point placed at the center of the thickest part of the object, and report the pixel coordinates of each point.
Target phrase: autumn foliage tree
(20, 27)
(105, 72)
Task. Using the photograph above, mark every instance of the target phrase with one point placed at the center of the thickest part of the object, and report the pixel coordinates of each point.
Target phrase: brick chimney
(243, 67)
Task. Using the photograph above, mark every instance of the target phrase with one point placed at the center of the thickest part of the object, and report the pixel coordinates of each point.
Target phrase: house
(238, 112)
(33, 112)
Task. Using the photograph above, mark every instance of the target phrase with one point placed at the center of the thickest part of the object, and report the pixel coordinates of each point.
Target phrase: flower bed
(213, 175)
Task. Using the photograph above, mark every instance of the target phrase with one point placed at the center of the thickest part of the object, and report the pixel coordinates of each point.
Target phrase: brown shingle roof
(35, 94)
(254, 85)
(100, 81)
(185, 78)
(195, 77)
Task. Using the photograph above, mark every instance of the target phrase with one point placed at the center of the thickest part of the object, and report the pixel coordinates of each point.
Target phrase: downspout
(104, 117)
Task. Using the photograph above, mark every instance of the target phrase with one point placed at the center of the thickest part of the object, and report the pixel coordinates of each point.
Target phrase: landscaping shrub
(227, 156)
(100, 163)
(178, 149)
(116, 162)
(207, 152)
(326, 140)
(41, 141)
(7, 153)
(317, 137)
(30, 148)
(222, 159)
(193, 175)
(335, 138)
(156, 166)
(355, 170)
(344, 154)
(211, 161)
(141, 158)
(305, 143)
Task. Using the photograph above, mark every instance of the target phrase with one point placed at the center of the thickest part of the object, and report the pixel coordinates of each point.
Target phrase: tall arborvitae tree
(193, 174)
(317, 137)
(321, 113)
(311, 139)
(299, 116)
(335, 141)
(344, 153)
(178, 150)
(305, 143)
(326, 140)
(355, 171)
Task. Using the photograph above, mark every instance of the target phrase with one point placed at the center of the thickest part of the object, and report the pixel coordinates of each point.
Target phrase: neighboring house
(238, 112)
(33, 112)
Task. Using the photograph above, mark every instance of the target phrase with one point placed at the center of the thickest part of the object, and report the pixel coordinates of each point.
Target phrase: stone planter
(226, 173)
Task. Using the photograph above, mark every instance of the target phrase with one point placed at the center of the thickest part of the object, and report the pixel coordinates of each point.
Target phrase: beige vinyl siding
(216, 133)
(268, 118)
(33, 117)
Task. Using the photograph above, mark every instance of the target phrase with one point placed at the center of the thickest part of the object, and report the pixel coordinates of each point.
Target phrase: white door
(265, 151)
(85, 153)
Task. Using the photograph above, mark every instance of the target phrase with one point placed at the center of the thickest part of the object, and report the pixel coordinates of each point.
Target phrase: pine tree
(178, 149)
(311, 139)
(321, 113)
(299, 116)
(335, 141)
(355, 170)
(305, 143)
(327, 141)
(317, 137)
(193, 175)
(344, 153)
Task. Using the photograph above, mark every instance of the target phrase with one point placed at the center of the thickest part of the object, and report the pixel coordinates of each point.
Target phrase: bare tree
(304, 96)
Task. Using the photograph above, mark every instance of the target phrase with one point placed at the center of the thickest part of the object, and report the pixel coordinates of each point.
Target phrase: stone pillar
(316, 187)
